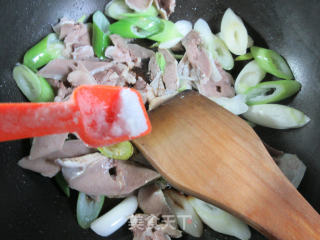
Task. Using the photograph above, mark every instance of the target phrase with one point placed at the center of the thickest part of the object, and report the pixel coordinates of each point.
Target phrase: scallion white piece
(115, 218)
(249, 77)
(276, 116)
(116, 8)
(220, 220)
(237, 104)
(234, 33)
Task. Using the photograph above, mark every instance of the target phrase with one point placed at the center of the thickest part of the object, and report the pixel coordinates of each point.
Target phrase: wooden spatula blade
(204, 150)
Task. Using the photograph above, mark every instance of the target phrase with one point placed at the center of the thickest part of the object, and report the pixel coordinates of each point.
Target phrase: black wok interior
(32, 207)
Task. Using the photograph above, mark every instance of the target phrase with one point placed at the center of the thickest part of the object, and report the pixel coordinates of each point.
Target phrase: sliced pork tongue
(205, 73)
(165, 7)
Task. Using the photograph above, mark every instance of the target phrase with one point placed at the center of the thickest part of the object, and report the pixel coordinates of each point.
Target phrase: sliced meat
(123, 52)
(43, 166)
(46, 145)
(170, 75)
(152, 201)
(59, 69)
(63, 93)
(95, 174)
(75, 35)
(46, 165)
(165, 7)
(208, 76)
(82, 53)
(139, 5)
(80, 76)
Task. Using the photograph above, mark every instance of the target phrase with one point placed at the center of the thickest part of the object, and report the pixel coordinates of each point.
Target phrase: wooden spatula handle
(24, 120)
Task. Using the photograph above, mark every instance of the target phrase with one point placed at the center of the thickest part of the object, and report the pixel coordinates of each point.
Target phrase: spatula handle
(24, 120)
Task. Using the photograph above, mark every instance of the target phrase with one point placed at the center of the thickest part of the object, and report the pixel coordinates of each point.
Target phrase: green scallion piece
(88, 209)
(63, 185)
(150, 12)
(272, 62)
(244, 57)
(120, 151)
(137, 27)
(168, 32)
(43, 52)
(270, 92)
(160, 61)
(100, 34)
(34, 87)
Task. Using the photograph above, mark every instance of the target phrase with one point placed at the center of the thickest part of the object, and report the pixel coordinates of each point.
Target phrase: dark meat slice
(95, 174)
(165, 7)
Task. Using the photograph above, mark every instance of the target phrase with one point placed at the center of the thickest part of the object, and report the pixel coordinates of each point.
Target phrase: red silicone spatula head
(110, 114)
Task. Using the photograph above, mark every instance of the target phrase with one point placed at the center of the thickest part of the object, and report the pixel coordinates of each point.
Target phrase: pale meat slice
(95, 174)
(82, 53)
(139, 5)
(151, 200)
(46, 168)
(208, 76)
(45, 164)
(80, 76)
(124, 52)
(170, 74)
(165, 7)
(46, 145)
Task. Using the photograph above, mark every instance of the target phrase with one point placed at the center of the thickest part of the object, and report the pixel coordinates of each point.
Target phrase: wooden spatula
(100, 115)
(205, 151)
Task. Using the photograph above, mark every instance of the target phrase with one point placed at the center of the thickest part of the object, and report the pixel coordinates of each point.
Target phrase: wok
(32, 207)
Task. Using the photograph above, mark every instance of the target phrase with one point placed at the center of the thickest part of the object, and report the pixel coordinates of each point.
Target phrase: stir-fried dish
(171, 58)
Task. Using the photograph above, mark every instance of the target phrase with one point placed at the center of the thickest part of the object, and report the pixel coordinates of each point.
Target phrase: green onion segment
(63, 185)
(272, 62)
(34, 87)
(100, 34)
(168, 32)
(120, 151)
(245, 57)
(43, 52)
(160, 61)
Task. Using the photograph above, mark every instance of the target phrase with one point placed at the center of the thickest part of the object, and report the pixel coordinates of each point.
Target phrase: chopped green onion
(137, 27)
(43, 52)
(168, 32)
(34, 87)
(214, 45)
(160, 61)
(276, 116)
(62, 184)
(272, 62)
(120, 151)
(178, 56)
(249, 77)
(88, 209)
(82, 19)
(100, 36)
(244, 57)
(151, 11)
(273, 91)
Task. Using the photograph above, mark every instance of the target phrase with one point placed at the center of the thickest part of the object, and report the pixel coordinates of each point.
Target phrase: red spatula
(100, 115)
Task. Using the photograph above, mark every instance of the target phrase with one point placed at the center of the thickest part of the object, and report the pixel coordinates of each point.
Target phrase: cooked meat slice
(197, 56)
(165, 7)
(170, 74)
(152, 201)
(81, 76)
(139, 5)
(46, 145)
(43, 166)
(123, 52)
(59, 69)
(208, 76)
(63, 93)
(95, 174)
(82, 53)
